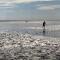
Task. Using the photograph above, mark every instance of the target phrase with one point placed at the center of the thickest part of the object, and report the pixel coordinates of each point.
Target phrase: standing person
(44, 24)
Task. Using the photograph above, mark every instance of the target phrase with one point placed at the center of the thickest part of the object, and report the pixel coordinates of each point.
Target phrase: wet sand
(18, 46)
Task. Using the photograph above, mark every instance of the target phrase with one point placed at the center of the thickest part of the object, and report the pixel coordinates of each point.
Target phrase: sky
(29, 9)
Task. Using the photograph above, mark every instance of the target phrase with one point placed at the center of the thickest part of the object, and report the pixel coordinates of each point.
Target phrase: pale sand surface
(18, 46)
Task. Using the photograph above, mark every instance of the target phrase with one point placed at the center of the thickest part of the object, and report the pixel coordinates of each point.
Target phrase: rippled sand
(18, 46)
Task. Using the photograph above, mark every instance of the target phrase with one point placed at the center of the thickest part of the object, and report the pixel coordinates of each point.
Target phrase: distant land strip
(18, 20)
(24, 20)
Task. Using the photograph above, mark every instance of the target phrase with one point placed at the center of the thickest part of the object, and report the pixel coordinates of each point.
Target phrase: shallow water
(32, 27)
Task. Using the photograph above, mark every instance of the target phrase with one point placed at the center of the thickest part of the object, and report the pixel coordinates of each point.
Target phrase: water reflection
(44, 31)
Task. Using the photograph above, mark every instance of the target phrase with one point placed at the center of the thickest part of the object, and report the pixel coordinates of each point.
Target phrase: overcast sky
(29, 9)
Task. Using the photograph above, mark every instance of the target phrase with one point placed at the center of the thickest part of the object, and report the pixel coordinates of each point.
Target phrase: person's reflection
(44, 31)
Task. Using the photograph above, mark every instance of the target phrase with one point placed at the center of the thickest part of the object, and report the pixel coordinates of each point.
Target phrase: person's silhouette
(44, 23)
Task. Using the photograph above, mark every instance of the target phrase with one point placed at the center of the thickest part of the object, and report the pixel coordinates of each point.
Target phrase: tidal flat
(18, 46)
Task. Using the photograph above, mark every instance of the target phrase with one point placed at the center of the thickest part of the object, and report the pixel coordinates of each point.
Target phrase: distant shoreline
(17, 20)
(25, 20)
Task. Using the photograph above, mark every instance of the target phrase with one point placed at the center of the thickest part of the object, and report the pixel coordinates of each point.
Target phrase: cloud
(42, 0)
(5, 1)
(46, 8)
(20, 1)
(49, 7)
(7, 5)
(14, 1)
